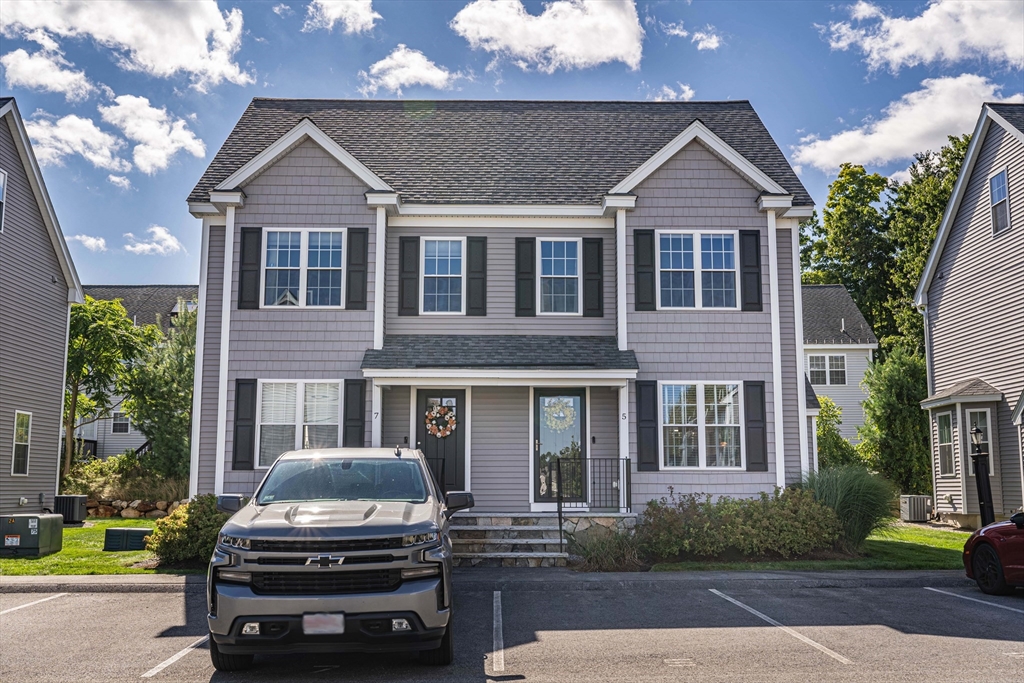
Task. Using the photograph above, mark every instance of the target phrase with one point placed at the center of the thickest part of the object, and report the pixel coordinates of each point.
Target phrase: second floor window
(303, 268)
(442, 276)
(120, 423)
(704, 280)
(827, 370)
(560, 276)
(1000, 202)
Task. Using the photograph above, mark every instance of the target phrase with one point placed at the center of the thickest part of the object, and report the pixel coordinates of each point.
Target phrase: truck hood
(333, 519)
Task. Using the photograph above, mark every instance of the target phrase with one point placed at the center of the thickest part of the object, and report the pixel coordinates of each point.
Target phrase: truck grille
(351, 559)
(326, 583)
(325, 546)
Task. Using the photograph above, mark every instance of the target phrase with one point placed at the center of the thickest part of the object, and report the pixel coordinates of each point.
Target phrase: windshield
(296, 481)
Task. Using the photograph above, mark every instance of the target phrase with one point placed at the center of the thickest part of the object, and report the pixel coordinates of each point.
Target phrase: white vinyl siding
(701, 425)
(1000, 201)
(303, 268)
(697, 270)
(22, 440)
(442, 275)
(297, 415)
(944, 423)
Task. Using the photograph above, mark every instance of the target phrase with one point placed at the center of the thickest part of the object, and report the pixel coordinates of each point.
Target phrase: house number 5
(623, 416)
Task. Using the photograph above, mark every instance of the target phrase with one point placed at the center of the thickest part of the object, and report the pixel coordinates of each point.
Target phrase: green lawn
(902, 547)
(83, 554)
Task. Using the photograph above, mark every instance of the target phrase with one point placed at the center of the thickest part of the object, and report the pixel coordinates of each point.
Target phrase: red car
(994, 556)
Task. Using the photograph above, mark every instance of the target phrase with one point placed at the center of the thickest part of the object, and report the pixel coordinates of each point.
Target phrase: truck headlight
(419, 539)
(234, 542)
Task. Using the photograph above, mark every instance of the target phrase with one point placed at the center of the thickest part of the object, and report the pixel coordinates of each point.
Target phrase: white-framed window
(303, 267)
(442, 275)
(999, 197)
(827, 370)
(701, 425)
(560, 291)
(3, 197)
(22, 439)
(295, 415)
(120, 423)
(944, 427)
(981, 419)
(697, 269)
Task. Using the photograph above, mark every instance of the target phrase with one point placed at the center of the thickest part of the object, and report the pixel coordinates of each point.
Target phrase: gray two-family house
(38, 284)
(972, 298)
(506, 285)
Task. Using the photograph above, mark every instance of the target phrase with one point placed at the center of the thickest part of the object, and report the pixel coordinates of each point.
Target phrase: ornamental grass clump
(862, 501)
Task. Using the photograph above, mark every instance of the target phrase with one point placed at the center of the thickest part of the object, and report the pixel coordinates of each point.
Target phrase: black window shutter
(244, 443)
(757, 431)
(354, 434)
(643, 270)
(526, 277)
(357, 269)
(249, 268)
(409, 276)
(647, 426)
(476, 276)
(593, 277)
(750, 270)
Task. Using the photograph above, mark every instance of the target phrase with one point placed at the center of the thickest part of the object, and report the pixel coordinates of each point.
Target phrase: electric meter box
(31, 535)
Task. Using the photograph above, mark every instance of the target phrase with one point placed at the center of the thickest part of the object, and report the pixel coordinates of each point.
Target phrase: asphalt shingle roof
(499, 352)
(503, 152)
(968, 387)
(145, 302)
(1013, 113)
(827, 310)
(812, 396)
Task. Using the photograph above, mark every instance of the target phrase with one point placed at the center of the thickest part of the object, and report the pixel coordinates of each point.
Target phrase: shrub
(189, 534)
(615, 551)
(785, 523)
(122, 477)
(833, 449)
(861, 500)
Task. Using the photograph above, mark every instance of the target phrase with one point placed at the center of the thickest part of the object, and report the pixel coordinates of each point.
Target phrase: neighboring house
(146, 305)
(972, 298)
(838, 345)
(38, 284)
(616, 283)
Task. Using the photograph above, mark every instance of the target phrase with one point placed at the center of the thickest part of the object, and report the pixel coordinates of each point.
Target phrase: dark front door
(446, 453)
(559, 433)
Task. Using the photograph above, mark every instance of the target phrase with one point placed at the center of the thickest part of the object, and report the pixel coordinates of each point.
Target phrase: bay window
(701, 425)
(944, 427)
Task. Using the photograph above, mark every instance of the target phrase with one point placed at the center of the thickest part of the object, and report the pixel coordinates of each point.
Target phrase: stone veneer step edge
(483, 556)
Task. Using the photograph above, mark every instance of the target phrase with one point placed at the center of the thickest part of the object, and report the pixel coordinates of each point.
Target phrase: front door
(559, 433)
(441, 434)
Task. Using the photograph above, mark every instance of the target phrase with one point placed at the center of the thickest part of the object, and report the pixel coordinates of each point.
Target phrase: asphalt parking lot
(614, 630)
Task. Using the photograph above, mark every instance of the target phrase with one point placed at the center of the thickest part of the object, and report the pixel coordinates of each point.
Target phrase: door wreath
(440, 421)
(559, 413)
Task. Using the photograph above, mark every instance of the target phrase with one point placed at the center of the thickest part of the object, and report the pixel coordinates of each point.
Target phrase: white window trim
(970, 445)
(3, 197)
(701, 425)
(127, 417)
(579, 276)
(698, 295)
(303, 267)
(15, 444)
(828, 374)
(939, 444)
(300, 397)
(991, 205)
(423, 262)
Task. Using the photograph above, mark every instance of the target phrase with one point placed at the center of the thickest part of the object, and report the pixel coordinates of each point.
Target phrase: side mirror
(458, 500)
(230, 504)
(1018, 519)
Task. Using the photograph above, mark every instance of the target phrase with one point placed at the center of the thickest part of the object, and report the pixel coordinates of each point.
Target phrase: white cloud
(53, 140)
(358, 16)
(568, 34)
(91, 243)
(707, 39)
(45, 70)
(159, 135)
(120, 181)
(402, 68)
(157, 38)
(667, 94)
(161, 243)
(945, 32)
(676, 30)
(281, 10)
(916, 122)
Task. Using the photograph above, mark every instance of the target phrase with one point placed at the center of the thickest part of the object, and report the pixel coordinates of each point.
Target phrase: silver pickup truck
(339, 550)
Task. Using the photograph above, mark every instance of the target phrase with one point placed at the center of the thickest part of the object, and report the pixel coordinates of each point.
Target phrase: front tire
(444, 655)
(226, 662)
(988, 570)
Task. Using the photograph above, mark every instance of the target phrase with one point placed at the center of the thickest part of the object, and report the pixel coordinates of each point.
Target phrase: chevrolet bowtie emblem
(325, 561)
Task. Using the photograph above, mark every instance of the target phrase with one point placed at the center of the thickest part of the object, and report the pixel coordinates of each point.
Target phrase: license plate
(323, 624)
(12, 541)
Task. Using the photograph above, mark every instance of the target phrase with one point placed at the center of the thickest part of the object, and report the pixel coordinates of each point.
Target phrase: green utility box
(122, 538)
(31, 535)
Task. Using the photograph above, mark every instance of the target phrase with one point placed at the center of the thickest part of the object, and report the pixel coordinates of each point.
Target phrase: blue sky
(127, 103)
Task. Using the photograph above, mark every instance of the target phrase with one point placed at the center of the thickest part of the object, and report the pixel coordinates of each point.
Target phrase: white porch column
(375, 414)
(378, 279)
(197, 381)
(623, 420)
(798, 332)
(773, 285)
(620, 277)
(225, 333)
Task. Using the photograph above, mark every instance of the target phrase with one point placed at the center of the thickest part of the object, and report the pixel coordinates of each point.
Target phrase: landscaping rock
(155, 514)
(135, 504)
(130, 513)
(162, 505)
(173, 506)
(90, 503)
(104, 511)
(144, 507)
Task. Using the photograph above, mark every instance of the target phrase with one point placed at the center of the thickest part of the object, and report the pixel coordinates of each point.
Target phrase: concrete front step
(549, 559)
(505, 520)
(504, 533)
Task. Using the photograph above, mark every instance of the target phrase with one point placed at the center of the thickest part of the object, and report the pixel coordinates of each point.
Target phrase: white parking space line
(171, 660)
(799, 636)
(498, 647)
(983, 602)
(34, 602)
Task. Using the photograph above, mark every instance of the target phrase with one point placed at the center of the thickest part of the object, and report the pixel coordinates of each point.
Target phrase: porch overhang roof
(971, 390)
(500, 356)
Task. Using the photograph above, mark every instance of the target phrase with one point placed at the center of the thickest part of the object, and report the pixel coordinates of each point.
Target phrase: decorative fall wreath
(559, 414)
(440, 421)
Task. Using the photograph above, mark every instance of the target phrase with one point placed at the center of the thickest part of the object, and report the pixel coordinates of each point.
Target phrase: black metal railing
(144, 449)
(592, 484)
